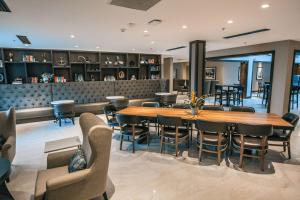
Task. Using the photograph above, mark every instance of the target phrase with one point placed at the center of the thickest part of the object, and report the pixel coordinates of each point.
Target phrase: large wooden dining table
(209, 115)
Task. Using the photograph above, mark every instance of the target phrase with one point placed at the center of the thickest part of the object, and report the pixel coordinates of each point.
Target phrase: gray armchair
(57, 183)
(8, 133)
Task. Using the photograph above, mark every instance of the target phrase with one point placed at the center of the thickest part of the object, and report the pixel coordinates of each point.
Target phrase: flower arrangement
(195, 102)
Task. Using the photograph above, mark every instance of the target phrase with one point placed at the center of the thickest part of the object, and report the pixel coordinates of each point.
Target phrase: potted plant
(196, 102)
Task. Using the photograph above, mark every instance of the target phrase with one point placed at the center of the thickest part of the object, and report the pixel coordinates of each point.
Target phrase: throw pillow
(77, 162)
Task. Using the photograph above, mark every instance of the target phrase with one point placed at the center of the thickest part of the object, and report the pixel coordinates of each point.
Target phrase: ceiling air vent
(176, 48)
(247, 33)
(4, 7)
(23, 39)
(143, 5)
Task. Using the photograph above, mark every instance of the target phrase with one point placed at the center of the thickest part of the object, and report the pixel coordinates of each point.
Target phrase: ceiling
(49, 24)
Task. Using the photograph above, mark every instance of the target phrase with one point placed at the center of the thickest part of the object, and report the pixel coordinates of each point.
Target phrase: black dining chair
(212, 138)
(130, 127)
(220, 94)
(171, 133)
(242, 109)
(151, 121)
(212, 107)
(63, 111)
(152, 104)
(120, 103)
(168, 100)
(181, 106)
(252, 137)
(266, 93)
(239, 94)
(110, 114)
(284, 136)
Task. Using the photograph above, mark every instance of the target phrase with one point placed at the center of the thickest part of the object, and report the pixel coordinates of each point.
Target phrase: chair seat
(45, 175)
(139, 130)
(170, 132)
(113, 122)
(212, 138)
(249, 142)
(278, 135)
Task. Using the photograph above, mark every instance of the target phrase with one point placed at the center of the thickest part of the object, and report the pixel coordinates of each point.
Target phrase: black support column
(197, 66)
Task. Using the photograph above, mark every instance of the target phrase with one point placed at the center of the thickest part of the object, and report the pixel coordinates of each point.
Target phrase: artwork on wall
(259, 72)
(210, 73)
(239, 74)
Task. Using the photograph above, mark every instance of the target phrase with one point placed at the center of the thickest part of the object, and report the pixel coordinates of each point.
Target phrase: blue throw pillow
(77, 162)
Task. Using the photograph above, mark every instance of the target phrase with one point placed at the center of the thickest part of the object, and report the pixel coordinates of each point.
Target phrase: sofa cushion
(77, 162)
(45, 175)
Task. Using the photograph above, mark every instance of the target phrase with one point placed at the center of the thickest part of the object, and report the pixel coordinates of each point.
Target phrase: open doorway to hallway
(295, 85)
(243, 80)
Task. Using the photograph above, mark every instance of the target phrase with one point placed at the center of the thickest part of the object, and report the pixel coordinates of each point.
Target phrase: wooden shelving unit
(89, 65)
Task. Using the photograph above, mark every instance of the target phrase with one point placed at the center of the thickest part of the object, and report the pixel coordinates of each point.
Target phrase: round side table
(5, 166)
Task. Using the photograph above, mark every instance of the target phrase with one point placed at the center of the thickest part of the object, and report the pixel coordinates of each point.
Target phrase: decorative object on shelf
(44, 57)
(109, 78)
(118, 61)
(210, 73)
(92, 76)
(11, 56)
(131, 63)
(259, 71)
(59, 79)
(61, 61)
(108, 62)
(133, 77)
(28, 58)
(83, 59)
(144, 62)
(34, 79)
(80, 78)
(154, 68)
(121, 75)
(155, 76)
(1, 78)
(1, 64)
(151, 61)
(196, 102)
(46, 78)
(17, 81)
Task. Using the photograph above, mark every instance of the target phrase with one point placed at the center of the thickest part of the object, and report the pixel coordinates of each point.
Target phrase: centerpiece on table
(196, 102)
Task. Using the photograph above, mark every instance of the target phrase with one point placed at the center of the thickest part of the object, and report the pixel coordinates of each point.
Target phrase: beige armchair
(56, 182)
(8, 132)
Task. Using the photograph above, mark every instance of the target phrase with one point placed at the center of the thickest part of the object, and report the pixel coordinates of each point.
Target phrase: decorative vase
(194, 111)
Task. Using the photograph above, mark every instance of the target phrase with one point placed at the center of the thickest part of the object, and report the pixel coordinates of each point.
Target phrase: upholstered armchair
(57, 183)
(8, 134)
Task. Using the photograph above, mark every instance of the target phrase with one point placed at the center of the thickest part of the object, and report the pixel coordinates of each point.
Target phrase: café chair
(8, 134)
(63, 111)
(239, 94)
(284, 136)
(220, 94)
(130, 127)
(110, 114)
(152, 122)
(212, 107)
(212, 138)
(57, 183)
(171, 132)
(181, 106)
(252, 137)
(168, 100)
(242, 109)
(120, 103)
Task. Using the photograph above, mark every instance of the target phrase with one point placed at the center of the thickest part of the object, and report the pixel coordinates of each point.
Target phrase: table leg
(4, 192)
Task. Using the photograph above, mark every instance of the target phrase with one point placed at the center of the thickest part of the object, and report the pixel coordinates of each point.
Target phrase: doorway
(251, 72)
(294, 106)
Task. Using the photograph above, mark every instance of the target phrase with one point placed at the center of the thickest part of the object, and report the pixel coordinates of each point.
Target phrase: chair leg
(121, 142)
(284, 146)
(289, 149)
(262, 159)
(219, 156)
(73, 121)
(105, 196)
(133, 146)
(59, 122)
(148, 139)
(161, 143)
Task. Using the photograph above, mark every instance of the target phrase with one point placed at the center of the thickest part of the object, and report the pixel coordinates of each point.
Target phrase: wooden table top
(209, 115)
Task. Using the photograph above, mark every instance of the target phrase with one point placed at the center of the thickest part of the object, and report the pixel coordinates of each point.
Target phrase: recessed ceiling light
(229, 22)
(97, 47)
(152, 42)
(76, 46)
(72, 36)
(184, 27)
(146, 31)
(265, 6)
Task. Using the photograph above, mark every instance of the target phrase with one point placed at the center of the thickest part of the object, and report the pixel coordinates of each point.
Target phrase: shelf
(62, 67)
(93, 71)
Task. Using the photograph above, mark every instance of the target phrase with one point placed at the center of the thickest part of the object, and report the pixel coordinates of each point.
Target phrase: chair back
(169, 121)
(150, 104)
(181, 106)
(120, 103)
(212, 107)
(127, 119)
(255, 130)
(209, 126)
(291, 118)
(97, 137)
(169, 99)
(66, 108)
(109, 111)
(242, 109)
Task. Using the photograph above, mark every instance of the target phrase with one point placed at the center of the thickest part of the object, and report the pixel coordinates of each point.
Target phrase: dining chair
(130, 127)
(284, 136)
(252, 137)
(212, 107)
(151, 121)
(110, 114)
(242, 109)
(171, 133)
(239, 94)
(266, 93)
(120, 103)
(212, 135)
(220, 94)
(168, 100)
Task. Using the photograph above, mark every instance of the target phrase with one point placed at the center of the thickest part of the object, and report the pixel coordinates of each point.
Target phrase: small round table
(5, 166)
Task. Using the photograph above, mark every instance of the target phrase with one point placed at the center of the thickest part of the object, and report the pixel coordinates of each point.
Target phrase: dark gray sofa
(33, 101)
